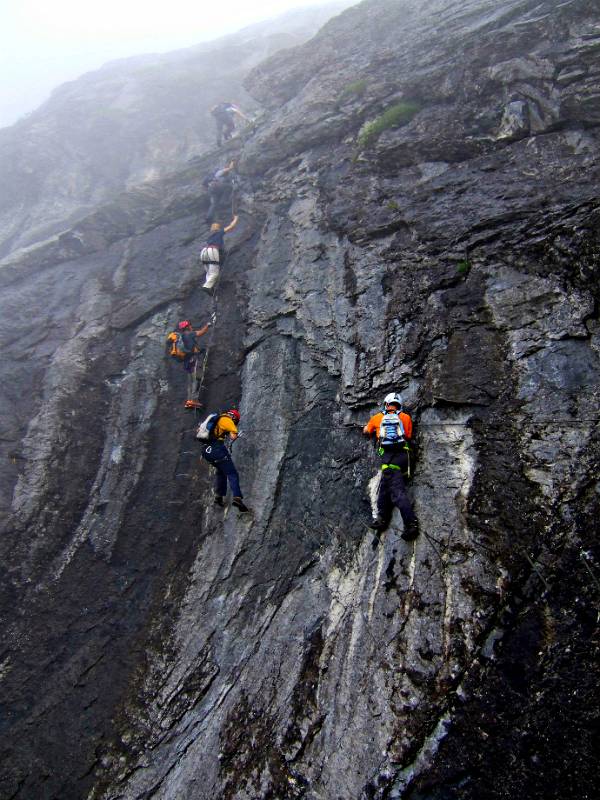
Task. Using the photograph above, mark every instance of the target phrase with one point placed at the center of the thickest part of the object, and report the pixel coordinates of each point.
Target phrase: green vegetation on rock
(354, 89)
(396, 115)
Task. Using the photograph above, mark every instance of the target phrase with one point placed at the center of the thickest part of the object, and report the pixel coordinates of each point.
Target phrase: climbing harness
(394, 467)
(210, 257)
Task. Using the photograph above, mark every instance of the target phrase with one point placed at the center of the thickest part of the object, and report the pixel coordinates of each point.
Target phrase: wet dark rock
(186, 651)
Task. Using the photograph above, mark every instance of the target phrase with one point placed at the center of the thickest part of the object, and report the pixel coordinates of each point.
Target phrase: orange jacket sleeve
(373, 424)
(407, 423)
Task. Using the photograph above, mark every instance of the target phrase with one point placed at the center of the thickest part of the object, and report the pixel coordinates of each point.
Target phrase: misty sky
(46, 42)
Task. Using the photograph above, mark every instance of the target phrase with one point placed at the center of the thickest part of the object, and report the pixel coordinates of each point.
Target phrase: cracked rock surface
(156, 646)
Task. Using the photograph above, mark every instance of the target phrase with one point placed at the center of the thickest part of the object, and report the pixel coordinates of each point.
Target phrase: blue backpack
(391, 430)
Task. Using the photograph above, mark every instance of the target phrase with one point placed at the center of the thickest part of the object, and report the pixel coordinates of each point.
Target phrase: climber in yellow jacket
(212, 433)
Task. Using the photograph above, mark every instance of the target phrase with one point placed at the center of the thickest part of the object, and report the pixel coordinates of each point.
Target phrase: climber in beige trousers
(213, 254)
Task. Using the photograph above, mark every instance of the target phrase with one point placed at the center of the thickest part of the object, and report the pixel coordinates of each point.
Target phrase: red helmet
(185, 324)
(234, 414)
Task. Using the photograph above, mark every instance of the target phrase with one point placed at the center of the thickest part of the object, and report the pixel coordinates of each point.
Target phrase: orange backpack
(176, 349)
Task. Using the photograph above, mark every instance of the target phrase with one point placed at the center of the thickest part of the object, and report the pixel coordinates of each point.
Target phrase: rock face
(130, 122)
(420, 212)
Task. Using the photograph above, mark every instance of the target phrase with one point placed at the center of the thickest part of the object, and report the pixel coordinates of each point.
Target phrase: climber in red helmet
(183, 342)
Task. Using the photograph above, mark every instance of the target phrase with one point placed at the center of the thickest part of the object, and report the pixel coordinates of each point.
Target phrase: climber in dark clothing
(224, 114)
(219, 185)
(394, 432)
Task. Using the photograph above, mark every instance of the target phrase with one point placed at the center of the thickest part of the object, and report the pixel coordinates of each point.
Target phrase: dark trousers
(225, 129)
(218, 455)
(216, 195)
(392, 493)
(189, 362)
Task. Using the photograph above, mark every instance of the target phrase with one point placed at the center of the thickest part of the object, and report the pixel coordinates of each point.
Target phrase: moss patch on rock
(393, 117)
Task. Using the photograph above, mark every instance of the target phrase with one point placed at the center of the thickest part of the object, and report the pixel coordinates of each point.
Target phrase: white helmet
(393, 398)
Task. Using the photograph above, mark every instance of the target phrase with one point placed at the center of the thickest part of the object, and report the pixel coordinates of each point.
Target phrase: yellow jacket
(224, 426)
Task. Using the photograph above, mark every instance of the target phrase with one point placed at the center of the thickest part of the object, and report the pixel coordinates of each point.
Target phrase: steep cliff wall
(158, 647)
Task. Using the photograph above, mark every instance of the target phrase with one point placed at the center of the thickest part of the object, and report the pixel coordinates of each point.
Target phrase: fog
(44, 43)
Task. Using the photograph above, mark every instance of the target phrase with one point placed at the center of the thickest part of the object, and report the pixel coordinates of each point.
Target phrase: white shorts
(210, 255)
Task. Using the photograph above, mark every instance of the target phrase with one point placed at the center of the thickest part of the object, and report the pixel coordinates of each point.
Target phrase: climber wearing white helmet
(393, 429)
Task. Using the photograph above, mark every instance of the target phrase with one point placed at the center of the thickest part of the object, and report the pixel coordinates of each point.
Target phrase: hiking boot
(378, 524)
(240, 505)
(218, 501)
(410, 532)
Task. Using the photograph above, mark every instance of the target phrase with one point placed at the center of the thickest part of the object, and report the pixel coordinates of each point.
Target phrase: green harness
(406, 474)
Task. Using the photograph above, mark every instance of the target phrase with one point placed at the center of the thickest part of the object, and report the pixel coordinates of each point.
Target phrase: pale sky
(44, 43)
